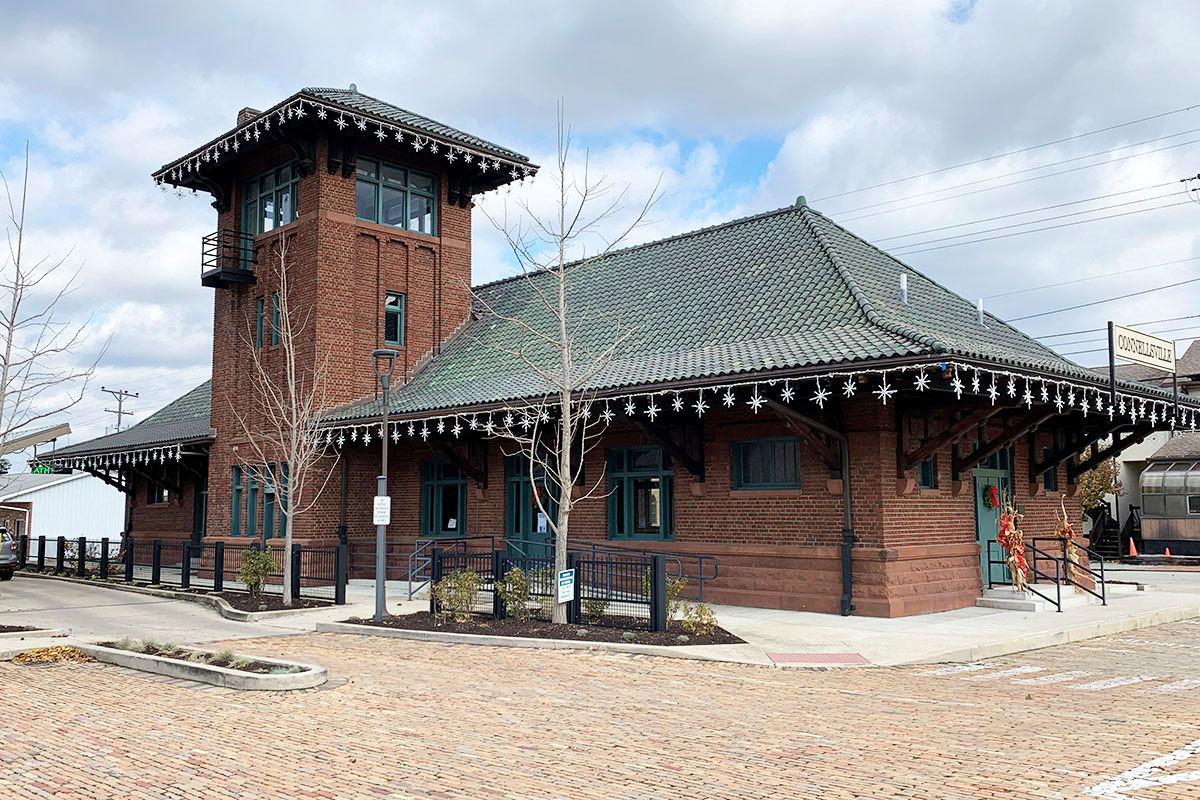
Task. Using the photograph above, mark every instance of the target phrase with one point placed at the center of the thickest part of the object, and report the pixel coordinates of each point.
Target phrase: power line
(1106, 300)
(1090, 278)
(1010, 183)
(1027, 170)
(1094, 330)
(120, 395)
(1038, 230)
(1104, 339)
(1032, 211)
(1036, 221)
(1009, 153)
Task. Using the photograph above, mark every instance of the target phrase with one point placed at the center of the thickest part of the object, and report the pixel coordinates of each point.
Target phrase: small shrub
(257, 566)
(674, 587)
(594, 607)
(514, 591)
(455, 594)
(698, 619)
(628, 636)
(238, 663)
(149, 646)
(283, 670)
(125, 644)
(581, 632)
(224, 657)
(683, 637)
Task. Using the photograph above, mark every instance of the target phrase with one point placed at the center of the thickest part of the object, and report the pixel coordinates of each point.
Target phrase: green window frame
(236, 516)
(397, 196)
(393, 318)
(766, 463)
(271, 199)
(267, 523)
(520, 508)
(251, 502)
(258, 322)
(443, 499)
(927, 470)
(641, 486)
(1050, 476)
(156, 493)
(275, 317)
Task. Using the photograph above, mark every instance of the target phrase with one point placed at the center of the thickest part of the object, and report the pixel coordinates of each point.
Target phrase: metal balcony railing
(227, 257)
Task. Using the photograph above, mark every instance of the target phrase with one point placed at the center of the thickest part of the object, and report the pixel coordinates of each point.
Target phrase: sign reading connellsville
(1141, 348)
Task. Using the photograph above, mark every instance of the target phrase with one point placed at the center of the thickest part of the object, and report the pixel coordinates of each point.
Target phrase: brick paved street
(414, 720)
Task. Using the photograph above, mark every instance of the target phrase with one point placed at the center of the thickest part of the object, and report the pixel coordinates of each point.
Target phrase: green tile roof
(787, 289)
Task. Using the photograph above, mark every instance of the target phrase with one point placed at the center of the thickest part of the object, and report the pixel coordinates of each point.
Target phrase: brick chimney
(247, 114)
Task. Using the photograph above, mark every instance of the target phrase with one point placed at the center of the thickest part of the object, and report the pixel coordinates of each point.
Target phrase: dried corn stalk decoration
(1066, 533)
(1011, 538)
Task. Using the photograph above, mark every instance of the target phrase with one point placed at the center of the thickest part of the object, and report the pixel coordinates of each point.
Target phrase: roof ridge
(665, 240)
(857, 293)
(939, 285)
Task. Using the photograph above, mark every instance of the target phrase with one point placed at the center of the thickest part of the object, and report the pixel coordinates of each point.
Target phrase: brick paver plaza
(416, 720)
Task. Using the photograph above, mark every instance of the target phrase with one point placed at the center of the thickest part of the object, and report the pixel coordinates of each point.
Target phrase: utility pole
(120, 411)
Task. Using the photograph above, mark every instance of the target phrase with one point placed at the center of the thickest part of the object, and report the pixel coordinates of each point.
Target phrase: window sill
(267, 236)
(381, 227)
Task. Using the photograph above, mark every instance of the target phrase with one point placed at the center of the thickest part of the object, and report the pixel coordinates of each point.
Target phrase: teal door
(526, 524)
(993, 472)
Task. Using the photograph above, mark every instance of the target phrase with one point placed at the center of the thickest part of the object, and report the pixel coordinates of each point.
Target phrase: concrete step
(1008, 600)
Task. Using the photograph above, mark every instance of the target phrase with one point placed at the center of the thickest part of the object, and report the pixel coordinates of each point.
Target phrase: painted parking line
(957, 668)
(1004, 673)
(1147, 776)
(1112, 683)
(1152, 643)
(1058, 677)
(1178, 686)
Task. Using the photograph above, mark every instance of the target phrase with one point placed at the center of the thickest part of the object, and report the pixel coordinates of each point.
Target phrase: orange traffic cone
(1167, 552)
(1132, 549)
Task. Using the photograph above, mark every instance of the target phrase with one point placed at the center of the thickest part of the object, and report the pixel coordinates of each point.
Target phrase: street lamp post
(382, 358)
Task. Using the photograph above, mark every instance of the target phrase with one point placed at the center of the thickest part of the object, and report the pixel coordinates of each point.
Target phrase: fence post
(185, 566)
(497, 581)
(156, 563)
(41, 554)
(81, 557)
(219, 567)
(435, 575)
(129, 559)
(295, 570)
(574, 606)
(341, 574)
(104, 559)
(658, 593)
(62, 552)
(22, 551)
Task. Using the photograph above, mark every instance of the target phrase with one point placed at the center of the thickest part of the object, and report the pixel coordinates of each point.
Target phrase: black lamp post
(384, 362)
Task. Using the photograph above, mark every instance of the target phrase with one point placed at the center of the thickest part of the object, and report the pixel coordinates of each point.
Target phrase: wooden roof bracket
(456, 458)
(122, 486)
(1010, 433)
(1120, 444)
(818, 436)
(678, 449)
(952, 433)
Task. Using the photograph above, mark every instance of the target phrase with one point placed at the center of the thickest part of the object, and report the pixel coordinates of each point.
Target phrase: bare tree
(38, 378)
(556, 432)
(280, 419)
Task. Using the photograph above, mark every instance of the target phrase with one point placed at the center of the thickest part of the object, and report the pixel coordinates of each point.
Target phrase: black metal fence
(317, 573)
(618, 589)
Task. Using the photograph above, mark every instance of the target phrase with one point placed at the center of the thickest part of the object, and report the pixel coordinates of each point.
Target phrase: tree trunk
(287, 557)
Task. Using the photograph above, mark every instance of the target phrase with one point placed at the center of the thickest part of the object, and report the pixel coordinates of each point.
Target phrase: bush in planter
(514, 591)
(699, 620)
(257, 566)
(594, 607)
(674, 587)
(455, 595)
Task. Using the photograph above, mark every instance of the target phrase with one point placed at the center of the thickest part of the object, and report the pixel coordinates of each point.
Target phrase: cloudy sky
(738, 107)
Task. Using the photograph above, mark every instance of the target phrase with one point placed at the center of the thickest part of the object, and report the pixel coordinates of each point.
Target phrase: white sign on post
(1143, 348)
(566, 586)
(382, 510)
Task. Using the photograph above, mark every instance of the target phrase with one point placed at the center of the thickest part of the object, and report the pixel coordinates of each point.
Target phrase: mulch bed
(244, 602)
(613, 629)
(179, 654)
(16, 628)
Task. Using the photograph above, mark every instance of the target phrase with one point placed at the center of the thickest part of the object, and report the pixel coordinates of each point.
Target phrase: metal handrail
(1093, 557)
(1055, 578)
(227, 249)
(419, 560)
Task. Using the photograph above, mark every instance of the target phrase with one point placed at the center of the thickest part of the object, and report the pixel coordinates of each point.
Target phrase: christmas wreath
(991, 497)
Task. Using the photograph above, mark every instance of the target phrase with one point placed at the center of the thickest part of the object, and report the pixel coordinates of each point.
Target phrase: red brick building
(783, 373)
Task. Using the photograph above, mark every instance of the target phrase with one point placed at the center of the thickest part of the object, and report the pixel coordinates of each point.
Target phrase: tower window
(270, 200)
(396, 196)
(393, 318)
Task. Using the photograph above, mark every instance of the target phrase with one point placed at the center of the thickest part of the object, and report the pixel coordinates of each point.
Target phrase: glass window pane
(449, 510)
(1173, 479)
(420, 215)
(1153, 505)
(392, 174)
(395, 301)
(450, 472)
(422, 183)
(368, 169)
(1194, 504)
(285, 174)
(1193, 479)
(283, 201)
(1151, 479)
(364, 201)
(251, 189)
(1176, 505)
(268, 213)
(391, 328)
(644, 458)
(616, 460)
(268, 182)
(618, 520)
(250, 218)
(392, 211)
(647, 494)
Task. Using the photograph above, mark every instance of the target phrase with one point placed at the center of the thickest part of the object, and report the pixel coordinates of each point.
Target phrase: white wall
(84, 506)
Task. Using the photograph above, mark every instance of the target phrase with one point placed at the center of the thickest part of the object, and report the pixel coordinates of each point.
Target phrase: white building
(53, 505)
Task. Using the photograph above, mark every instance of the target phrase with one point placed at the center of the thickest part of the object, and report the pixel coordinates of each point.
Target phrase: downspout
(847, 606)
(341, 531)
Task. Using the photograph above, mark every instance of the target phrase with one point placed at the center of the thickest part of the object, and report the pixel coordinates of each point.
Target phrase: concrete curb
(682, 651)
(1037, 641)
(206, 673)
(223, 608)
(36, 633)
